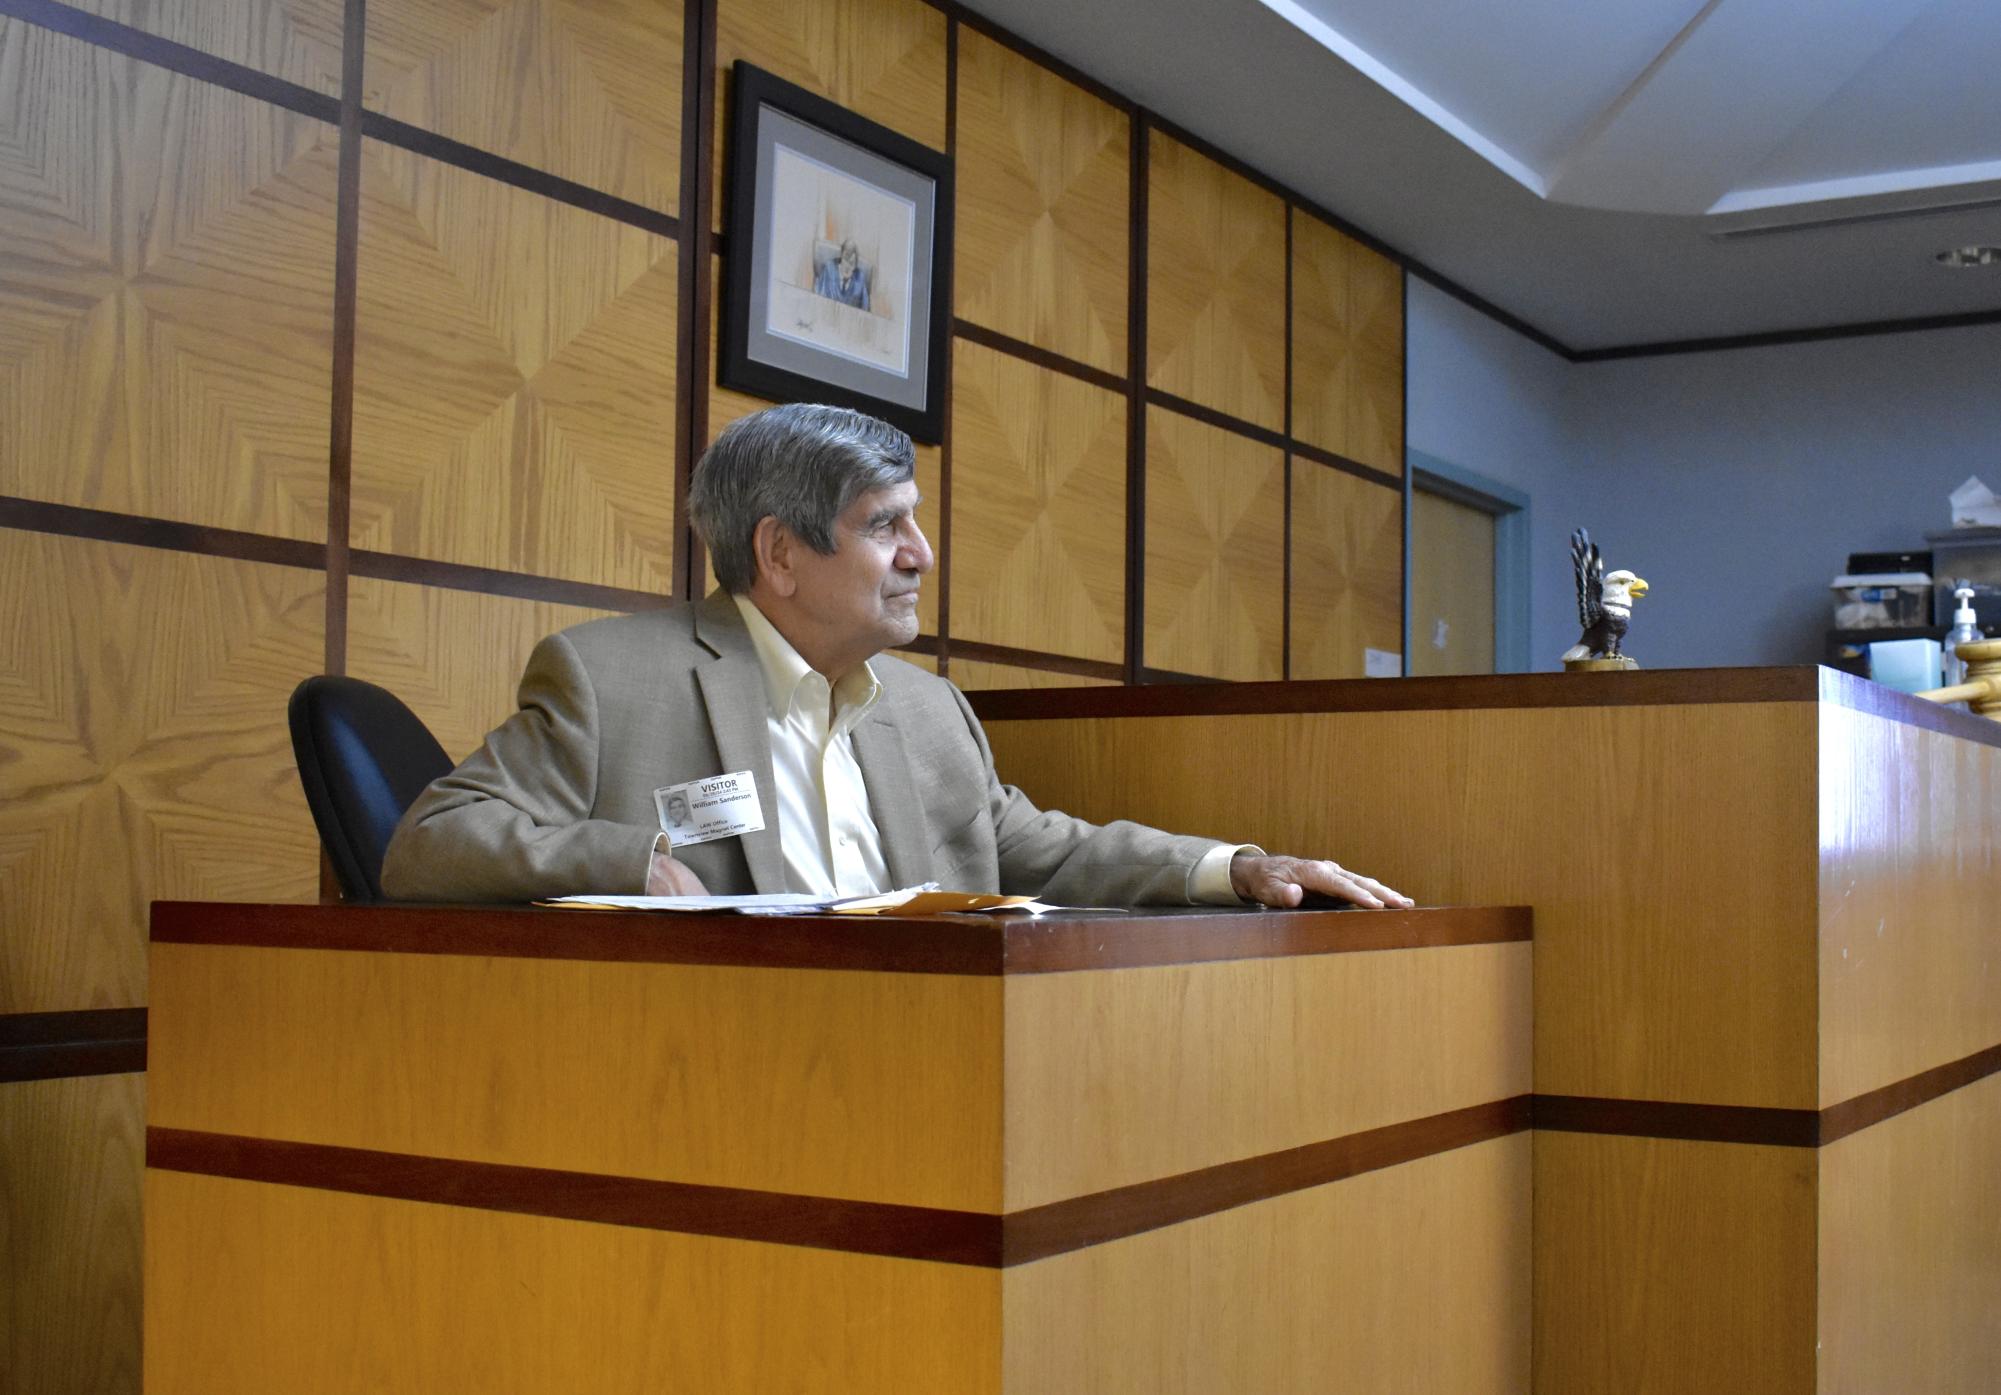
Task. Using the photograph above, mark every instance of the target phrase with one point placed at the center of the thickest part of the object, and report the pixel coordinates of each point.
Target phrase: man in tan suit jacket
(808, 513)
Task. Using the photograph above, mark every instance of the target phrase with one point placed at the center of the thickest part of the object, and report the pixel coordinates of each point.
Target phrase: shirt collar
(785, 670)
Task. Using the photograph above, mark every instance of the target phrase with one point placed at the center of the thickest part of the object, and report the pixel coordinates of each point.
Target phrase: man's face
(850, 259)
(677, 809)
(862, 599)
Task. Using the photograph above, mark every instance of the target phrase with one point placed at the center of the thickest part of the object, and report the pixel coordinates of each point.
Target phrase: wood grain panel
(882, 59)
(586, 89)
(69, 1208)
(1215, 286)
(399, 1295)
(166, 300)
(1044, 183)
(1347, 572)
(453, 656)
(1619, 825)
(725, 406)
(1671, 1267)
(1414, 1278)
(801, 1081)
(972, 674)
(1910, 877)
(514, 380)
(1038, 508)
(1347, 346)
(1119, 1077)
(1451, 587)
(298, 40)
(143, 753)
(1215, 550)
(1910, 1244)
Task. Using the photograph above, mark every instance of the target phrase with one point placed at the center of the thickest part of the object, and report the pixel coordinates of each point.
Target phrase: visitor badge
(702, 811)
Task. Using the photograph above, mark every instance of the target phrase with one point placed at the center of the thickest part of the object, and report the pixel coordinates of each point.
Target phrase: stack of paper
(916, 900)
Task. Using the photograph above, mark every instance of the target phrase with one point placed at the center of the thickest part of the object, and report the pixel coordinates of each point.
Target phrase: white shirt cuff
(1209, 879)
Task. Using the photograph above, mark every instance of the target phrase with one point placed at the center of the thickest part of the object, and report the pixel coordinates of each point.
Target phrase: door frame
(1509, 508)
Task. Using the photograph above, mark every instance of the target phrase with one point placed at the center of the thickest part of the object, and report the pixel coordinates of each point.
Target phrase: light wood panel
(1910, 882)
(514, 380)
(1347, 572)
(1215, 285)
(298, 40)
(586, 89)
(143, 753)
(166, 301)
(1674, 894)
(1414, 1278)
(972, 674)
(806, 1080)
(1347, 346)
(725, 406)
(456, 1299)
(882, 59)
(453, 656)
(1451, 587)
(1044, 184)
(1215, 558)
(1038, 508)
(70, 1159)
(1124, 1076)
(1910, 1247)
(1671, 1267)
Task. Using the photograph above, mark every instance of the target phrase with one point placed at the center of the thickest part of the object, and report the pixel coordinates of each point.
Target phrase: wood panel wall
(382, 342)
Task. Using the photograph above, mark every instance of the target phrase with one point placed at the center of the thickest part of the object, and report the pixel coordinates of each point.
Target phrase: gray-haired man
(855, 771)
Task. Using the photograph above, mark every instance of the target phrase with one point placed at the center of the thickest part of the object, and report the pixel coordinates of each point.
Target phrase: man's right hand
(667, 877)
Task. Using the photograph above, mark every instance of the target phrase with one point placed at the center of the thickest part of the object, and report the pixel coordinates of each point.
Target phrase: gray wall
(1736, 482)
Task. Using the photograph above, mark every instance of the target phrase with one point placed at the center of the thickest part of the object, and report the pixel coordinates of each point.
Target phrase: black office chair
(364, 758)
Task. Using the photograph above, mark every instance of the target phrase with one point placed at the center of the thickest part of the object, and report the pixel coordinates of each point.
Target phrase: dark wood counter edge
(1646, 688)
(59, 1045)
(981, 946)
(1782, 1128)
(857, 1227)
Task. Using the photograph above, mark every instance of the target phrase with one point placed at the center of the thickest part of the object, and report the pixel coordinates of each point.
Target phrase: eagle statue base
(1624, 663)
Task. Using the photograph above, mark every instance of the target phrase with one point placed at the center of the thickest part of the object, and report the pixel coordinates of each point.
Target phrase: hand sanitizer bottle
(1965, 630)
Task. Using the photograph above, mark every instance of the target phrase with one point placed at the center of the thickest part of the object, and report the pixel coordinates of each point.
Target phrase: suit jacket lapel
(733, 691)
(892, 797)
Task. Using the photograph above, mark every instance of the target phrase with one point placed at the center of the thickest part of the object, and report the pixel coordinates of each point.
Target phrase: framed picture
(839, 252)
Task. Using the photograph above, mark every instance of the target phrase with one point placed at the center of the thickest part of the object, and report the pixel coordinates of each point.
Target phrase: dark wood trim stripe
(444, 149)
(943, 561)
(178, 58)
(1863, 329)
(1703, 1123)
(1037, 355)
(1175, 676)
(980, 24)
(972, 946)
(691, 370)
(1135, 388)
(934, 1234)
(1209, 416)
(1851, 1116)
(1306, 450)
(340, 432)
(67, 520)
(1194, 698)
(454, 576)
(734, 1213)
(58, 1045)
(1035, 658)
(1083, 1221)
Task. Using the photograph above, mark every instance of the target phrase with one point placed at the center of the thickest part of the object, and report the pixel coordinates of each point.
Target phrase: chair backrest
(364, 758)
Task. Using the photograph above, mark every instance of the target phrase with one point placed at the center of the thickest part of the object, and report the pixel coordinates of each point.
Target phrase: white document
(701, 811)
(1382, 663)
(777, 903)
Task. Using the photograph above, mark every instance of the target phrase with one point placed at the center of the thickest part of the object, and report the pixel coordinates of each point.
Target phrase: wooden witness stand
(514, 1150)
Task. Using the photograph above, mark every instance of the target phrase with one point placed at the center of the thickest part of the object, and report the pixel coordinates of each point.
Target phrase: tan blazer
(560, 798)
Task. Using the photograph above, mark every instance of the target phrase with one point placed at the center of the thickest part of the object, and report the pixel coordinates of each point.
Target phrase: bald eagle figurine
(1604, 602)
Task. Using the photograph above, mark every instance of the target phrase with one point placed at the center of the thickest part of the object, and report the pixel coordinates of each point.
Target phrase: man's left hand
(1285, 881)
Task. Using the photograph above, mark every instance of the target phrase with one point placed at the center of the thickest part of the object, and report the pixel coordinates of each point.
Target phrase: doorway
(1467, 609)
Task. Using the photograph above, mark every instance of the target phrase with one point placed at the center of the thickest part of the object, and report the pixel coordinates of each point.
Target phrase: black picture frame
(837, 267)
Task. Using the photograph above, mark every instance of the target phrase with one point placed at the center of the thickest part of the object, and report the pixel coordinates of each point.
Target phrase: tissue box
(1908, 665)
(1883, 601)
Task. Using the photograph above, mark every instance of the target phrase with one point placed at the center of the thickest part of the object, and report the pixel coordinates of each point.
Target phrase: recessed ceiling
(1645, 171)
